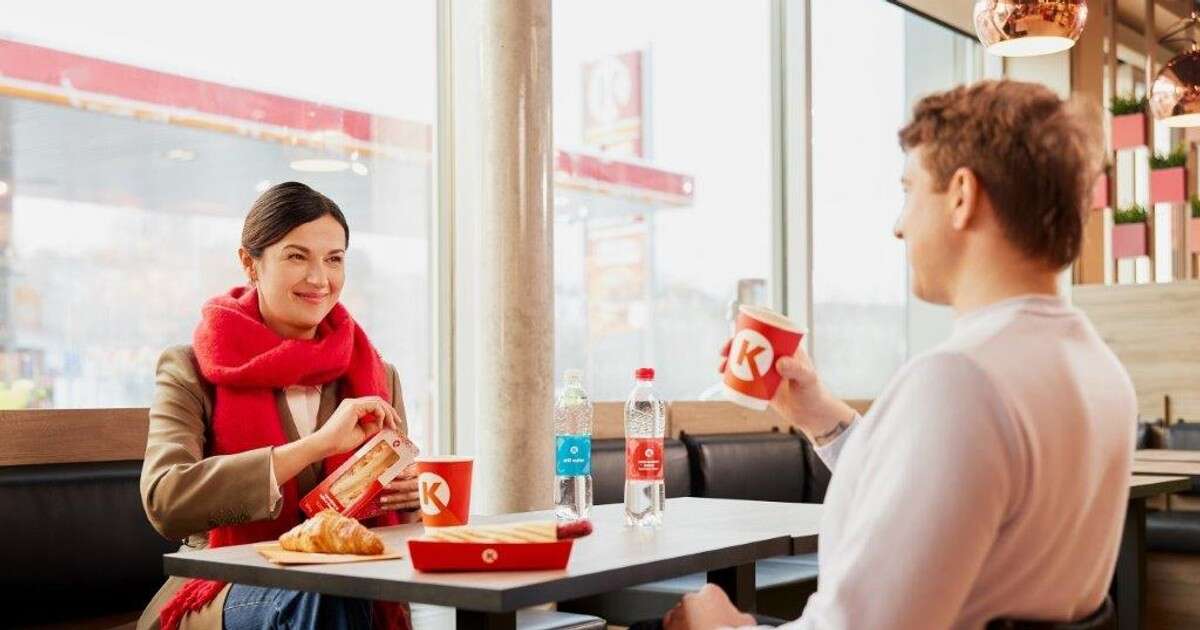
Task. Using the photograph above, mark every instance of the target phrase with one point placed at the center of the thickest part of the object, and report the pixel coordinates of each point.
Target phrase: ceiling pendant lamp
(1024, 28)
(1175, 93)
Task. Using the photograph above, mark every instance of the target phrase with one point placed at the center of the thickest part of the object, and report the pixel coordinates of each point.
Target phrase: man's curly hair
(1035, 155)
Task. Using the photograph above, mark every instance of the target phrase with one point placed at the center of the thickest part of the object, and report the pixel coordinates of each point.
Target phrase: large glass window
(663, 198)
(865, 322)
(132, 144)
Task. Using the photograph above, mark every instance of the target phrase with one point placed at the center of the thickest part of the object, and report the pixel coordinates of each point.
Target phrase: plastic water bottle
(573, 448)
(645, 426)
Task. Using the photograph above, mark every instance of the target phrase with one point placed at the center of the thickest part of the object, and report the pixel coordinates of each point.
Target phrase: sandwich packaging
(353, 489)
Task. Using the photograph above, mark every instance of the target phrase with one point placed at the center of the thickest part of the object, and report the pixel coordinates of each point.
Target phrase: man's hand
(802, 398)
(708, 609)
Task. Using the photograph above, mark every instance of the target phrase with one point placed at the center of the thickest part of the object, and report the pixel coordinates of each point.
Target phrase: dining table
(1166, 455)
(1129, 580)
(722, 538)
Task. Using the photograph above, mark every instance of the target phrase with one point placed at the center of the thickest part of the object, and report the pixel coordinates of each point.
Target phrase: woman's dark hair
(280, 210)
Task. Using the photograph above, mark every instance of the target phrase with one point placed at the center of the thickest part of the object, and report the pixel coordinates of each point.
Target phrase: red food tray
(434, 556)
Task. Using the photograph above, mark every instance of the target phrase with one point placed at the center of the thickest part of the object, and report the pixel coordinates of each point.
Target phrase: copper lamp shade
(1175, 95)
(1024, 28)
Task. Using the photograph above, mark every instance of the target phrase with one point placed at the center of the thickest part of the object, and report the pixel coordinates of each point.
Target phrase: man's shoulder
(946, 379)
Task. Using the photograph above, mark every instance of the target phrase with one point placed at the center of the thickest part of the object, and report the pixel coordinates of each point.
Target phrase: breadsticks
(529, 532)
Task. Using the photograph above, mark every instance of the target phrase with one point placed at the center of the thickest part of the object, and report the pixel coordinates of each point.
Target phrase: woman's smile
(315, 298)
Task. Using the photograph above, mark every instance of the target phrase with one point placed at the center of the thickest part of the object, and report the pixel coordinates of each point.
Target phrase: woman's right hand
(355, 420)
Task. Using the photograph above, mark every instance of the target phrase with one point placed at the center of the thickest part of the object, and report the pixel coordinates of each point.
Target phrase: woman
(278, 388)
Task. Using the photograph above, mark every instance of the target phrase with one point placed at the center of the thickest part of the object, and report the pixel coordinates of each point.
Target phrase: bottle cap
(644, 374)
(573, 376)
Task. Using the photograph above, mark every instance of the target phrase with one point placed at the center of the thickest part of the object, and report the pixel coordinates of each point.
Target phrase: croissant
(330, 532)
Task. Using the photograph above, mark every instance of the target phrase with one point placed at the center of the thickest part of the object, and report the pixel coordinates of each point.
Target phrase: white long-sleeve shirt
(989, 480)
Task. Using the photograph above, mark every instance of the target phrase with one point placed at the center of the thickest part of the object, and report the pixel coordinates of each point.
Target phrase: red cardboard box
(438, 556)
(353, 489)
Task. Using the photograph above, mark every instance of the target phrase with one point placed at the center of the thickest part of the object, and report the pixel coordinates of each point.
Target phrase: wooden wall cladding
(40, 436)
(1155, 330)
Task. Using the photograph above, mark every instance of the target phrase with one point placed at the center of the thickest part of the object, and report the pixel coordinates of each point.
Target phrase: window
(663, 186)
(865, 322)
(133, 147)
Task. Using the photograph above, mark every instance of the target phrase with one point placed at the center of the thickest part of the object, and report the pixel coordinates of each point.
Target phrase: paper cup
(761, 337)
(444, 488)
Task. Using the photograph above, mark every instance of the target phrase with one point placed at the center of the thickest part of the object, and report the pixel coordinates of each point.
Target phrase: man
(990, 477)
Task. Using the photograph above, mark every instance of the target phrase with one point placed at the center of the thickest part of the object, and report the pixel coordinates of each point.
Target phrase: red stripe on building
(622, 173)
(65, 70)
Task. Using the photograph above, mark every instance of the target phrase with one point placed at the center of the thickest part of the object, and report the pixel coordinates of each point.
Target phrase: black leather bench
(76, 549)
(608, 470)
(1174, 531)
(752, 466)
(75, 543)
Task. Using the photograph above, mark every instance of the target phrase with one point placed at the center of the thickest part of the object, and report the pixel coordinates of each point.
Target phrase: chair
(553, 620)
(429, 616)
(1105, 618)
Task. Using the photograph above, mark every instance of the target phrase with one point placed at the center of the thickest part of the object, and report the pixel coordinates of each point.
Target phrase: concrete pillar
(513, 434)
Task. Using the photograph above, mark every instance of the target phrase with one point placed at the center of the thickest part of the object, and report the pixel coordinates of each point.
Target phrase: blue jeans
(258, 608)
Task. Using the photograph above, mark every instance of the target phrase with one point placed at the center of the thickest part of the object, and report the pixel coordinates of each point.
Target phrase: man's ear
(962, 198)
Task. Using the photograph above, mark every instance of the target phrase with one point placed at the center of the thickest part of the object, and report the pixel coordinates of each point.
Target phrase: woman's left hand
(401, 493)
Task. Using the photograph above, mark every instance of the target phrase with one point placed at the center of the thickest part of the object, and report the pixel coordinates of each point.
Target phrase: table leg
(1129, 582)
(738, 583)
(474, 620)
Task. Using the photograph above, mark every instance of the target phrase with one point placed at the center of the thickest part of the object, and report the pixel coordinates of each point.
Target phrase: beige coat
(186, 494)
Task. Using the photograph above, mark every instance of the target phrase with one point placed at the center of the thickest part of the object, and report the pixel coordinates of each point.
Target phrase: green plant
(1131, 214)
(1177, 157)
(1121, 105)
(1195, 202)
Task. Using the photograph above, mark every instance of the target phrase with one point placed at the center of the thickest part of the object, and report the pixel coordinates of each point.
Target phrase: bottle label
(574, 455)
(644, 459)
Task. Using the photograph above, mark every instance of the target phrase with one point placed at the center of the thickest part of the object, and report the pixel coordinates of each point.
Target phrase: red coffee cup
(761, 336)
(444, 489)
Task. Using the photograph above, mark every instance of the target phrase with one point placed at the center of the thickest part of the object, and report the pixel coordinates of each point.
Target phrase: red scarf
(247, 362)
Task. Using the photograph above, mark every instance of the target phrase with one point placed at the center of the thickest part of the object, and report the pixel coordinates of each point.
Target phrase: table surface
(1145, 486)
(1144, 467)
(1166, 455)
(698, 535)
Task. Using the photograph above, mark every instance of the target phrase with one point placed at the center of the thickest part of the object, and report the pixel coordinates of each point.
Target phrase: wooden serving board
(279, 555)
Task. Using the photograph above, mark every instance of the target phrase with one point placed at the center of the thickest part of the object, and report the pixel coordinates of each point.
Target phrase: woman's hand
(355, 420)
(401, 494)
